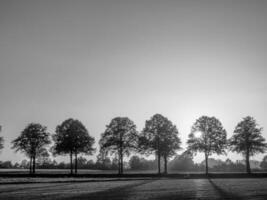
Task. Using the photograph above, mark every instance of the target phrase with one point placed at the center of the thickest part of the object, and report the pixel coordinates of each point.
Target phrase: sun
(197, 134)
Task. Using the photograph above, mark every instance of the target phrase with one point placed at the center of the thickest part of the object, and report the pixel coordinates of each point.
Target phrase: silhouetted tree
(72, 138)
(161, 137)
(6, 164)
(247, 139)
(103, 161)
(183, 162)
(135, 163)
(120, 137)
(43, 158)
(31, 142)
(1, 140)
(212, 138)
(25, 164)
(264, 163)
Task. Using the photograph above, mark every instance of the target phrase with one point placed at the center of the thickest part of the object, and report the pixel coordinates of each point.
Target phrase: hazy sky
(95, 60)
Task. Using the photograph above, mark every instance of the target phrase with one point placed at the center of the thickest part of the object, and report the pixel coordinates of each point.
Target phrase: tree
(72, 138)
(1, 140)
(208, 136)
(103, 161)
(120, 138)
(135, 163)
(6, 164)
(161, 137)
(183, 162)
(247, 139)
(264, 163)
(43, 159)
(31, 142)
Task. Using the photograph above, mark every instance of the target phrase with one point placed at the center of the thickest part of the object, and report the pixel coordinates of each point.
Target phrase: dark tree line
(180, 163)
(1, 140)
(159, 136)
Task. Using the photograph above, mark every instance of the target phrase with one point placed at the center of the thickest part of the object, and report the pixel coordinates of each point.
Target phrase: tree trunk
(165, 164)
(248, 163)
(30, 164)
(33, 165)
(158, 163)
(76, 164)
(71, 170)
(206, 161)
(121, 164)
(158, 148)
(120, 156)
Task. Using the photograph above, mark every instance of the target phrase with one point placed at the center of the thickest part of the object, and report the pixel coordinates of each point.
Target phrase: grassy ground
(157, 188)
(89, 171)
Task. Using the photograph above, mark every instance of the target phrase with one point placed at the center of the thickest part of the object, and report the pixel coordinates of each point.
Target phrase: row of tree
(180, 163)
(159, 136)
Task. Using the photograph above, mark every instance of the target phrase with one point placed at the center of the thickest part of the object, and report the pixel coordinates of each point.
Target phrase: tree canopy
(183, 162)
(248, 139)
(72, 138)
(263, 164)
(1, 140)
(120, 137)
(160, 136)
(208, 136)
(31, 142)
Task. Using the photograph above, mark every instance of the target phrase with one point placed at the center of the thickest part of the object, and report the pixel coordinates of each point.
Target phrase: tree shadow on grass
(32, 188)
(118, 193)
(73, 181)
(175, 196)
(223, 193)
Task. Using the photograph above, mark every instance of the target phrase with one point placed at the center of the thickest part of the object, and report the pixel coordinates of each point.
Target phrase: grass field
(126, 188)
(89, 171)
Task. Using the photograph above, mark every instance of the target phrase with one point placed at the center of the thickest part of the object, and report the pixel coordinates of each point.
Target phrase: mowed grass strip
(160, 188)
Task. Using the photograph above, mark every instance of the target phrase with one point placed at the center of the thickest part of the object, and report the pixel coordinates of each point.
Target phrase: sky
(96, 60)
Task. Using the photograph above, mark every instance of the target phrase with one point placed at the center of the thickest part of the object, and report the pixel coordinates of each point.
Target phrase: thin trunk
(165, 164)
(206, 160)
(158, 146)
(76, 163)
(30, 164)
(158, 163)
(121, 164)
(33, 165)
(120, 156)
(71, 168)
(247, 162)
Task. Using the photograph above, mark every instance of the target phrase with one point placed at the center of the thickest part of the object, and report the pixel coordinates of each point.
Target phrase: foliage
(72, 138)
(32, 141)
(1, 140)
(183, 162)
(103, 161)
(212, 137)
(159, 136)
(1, 143)
(247, 139)
(137, 163)
(263, 164)
(120, 138)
